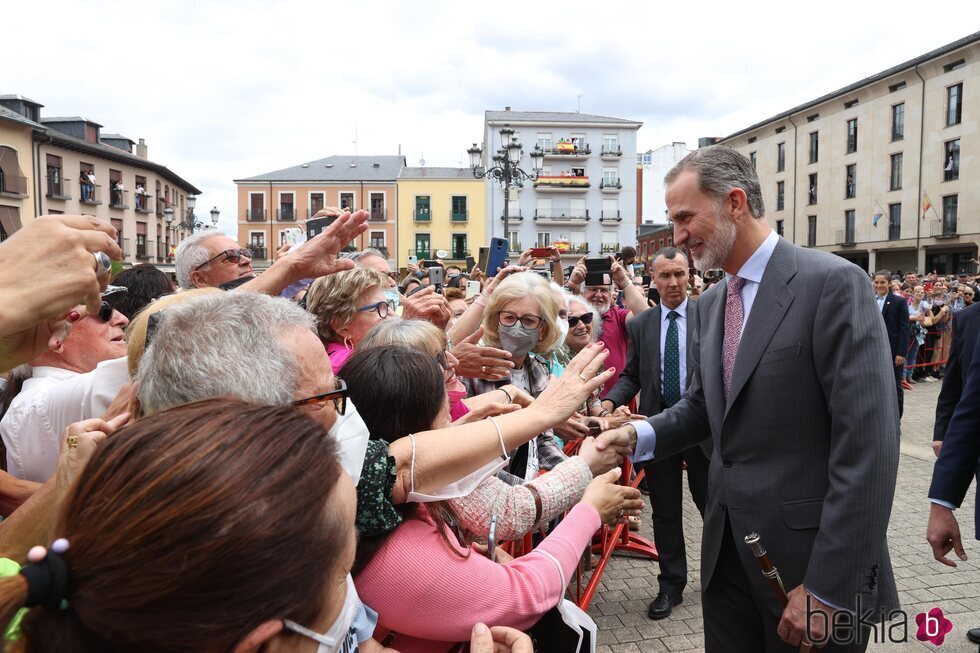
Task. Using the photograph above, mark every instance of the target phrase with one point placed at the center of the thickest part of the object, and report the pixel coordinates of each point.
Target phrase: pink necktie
(733, 330)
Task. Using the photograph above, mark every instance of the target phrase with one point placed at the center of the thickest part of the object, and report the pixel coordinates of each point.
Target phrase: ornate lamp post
(505, 170)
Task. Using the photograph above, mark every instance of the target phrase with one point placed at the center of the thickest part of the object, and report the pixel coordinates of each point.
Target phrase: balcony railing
(118, 199)
(844, 237)
(378, 215)
(91, 194)
(459, 254)
(422, 254)
(162, 253)
(255, 215)
(561, 215)
(610, 215)
(459, 216)
(12, 185)
(423, 215)
(286, 215)
(609, 248)
(568, 149)
(58, 189)
(142, 247)
(562, 183)
(611, 151)
(611, 184)
(258, 251)
(578, 248)
(127, 247)
(513, 216)
(144, 203)
(943, 228)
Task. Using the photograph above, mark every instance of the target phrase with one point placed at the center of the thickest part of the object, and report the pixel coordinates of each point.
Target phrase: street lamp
(505, 170)
(214, 217)
(190, 221)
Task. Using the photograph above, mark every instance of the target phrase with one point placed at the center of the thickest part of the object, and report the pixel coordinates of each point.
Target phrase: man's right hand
(428, 305)
(943, 535)
(621, 440)
(479, 362)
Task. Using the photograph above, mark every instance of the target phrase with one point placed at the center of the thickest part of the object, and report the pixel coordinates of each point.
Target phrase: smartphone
(646, 278)
(413, 259)
(470, 262)
(437, 278)
(496, 256)
(315, 225)
(544, 272)
(541, 252)
(432, 264)
(598, 271)
(492, 538)
(472, 288)
(653, 294)
(293, 235)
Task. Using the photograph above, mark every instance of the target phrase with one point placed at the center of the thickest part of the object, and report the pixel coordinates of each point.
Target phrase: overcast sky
(224, 90)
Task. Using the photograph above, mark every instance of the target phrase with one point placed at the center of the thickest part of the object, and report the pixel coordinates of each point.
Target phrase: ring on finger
(72, 441)
(102, 263)
(583, 377)
(483, 369)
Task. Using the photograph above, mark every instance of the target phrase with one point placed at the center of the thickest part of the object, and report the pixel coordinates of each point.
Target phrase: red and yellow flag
(926, 204)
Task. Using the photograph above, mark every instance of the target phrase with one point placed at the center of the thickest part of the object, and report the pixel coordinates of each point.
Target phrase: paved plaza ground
(630, 583)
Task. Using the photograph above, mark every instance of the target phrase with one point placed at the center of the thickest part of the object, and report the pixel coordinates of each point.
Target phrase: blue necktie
(672, 363)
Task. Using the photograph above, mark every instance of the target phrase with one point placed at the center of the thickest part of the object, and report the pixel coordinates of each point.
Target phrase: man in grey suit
(658, 360)
(792, 383)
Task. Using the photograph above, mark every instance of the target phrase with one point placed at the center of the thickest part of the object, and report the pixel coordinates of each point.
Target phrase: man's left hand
(619, 275)
(899, 360)
(318, 257)
(793, 627)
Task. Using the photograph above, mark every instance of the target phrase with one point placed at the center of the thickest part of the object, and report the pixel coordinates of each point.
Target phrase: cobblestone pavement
(630, 583)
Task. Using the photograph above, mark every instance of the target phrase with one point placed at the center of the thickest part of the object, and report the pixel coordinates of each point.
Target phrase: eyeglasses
(338, 396)
(507, 318)
(383, 308)
(441, 359)
(105, 311)
(584, 318)
(231, 255)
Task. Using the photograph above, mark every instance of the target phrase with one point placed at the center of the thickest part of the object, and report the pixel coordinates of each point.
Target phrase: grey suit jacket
(805, 450)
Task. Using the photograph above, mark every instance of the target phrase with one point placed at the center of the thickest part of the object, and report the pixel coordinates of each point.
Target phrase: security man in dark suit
(895, 311)
(657, 361)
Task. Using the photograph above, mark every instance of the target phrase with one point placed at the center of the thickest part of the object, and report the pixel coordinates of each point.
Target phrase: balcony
(258, 251)
(459, 216)
(255, 215)
(91, 195)
(561, 216)
(378, 215)
(611, 185)
(144, 203)
(573, 249)
(286, 215)
(562, 184)
(118, 199)
(13, 186)
(610, 215)
(611, 152)
(844, 237)
(608, 248)
(58, 189)
(422, 254)
(940, 229)
(161, 205)
(423, 215)
(459, 254)
(513, 216)
(567, 150)
(127, 247)
(515, 248)
(143, 248)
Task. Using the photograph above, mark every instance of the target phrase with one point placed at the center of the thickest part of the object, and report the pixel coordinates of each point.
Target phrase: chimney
(506, 108)
(141, 149)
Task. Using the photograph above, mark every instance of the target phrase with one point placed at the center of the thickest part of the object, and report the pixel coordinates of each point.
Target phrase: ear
(197, 279)
(259, 636)
(738, 203)
(340, 327)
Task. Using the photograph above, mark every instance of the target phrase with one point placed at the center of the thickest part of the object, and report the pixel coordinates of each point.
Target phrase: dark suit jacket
(642, 368)
(805, 449)
(966, 329)
(957, 462)
(896, 316)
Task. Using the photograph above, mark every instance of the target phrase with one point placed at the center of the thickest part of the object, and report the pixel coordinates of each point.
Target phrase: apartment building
(447, 209)
(652, 166)
(880, 171)
(584, 200)
(70, 166)
(271, 203)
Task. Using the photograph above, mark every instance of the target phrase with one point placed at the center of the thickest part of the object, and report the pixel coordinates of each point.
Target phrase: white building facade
(654, 166)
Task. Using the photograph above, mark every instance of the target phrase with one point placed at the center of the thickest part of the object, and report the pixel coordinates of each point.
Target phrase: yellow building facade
(17, 200)
(440, 211)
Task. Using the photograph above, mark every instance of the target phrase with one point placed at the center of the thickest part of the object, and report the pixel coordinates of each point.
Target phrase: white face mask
(562, 329)
(351, 435)
(460, 488)
(340, 638)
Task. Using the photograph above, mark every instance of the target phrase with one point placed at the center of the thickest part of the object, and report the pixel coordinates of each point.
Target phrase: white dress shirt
(49, 401)
(681, 322)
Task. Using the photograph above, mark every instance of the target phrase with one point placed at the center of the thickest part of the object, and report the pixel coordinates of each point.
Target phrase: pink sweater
(431, 597)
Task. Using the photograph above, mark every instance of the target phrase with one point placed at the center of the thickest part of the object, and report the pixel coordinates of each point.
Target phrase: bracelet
(479, 301)
(603, 413)
(500, 435)
(510, 399)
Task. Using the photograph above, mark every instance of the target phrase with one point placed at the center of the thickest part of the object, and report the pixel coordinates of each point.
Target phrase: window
(780, 195)
(422, 246)
(950, 206)
(779, 227)
(850, 103)
(542, 208)
(954, 104)
(610, 143)
(898, 122)
(852, 135)
(256, 203)
(346, 201)
(378, 207)
(117, 192)
(544, 141)
(544, 239)
(422, 208)
(896, 171)
(894, 222)
(950, 67)
(88, 186)
(951, 157)
(515, 241)
(752, 159)
(752, 140)
(459, 213)
(848, 226)
(287, 207)
(378, 240)
(459, 246)
(811, 231)
(610, 176)
(56, 182)
(850, 181)
(316, 203)
(256, 242)
(897, 87)
(812, 195)
(814, 146)
(578, 140)
(140, 196)
(780, 157)
(141, 240)
(813, 117)
(780, 130)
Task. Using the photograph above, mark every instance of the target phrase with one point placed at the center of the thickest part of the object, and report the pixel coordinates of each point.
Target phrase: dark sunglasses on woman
(584, 318)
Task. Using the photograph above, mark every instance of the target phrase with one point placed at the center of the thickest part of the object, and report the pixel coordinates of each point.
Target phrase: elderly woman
(347, 304)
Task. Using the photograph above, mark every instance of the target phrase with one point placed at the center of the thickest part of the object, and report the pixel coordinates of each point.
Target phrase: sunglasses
(231, 255)
(105, 311)
(383, 308)
(338, 396)
(584, 318)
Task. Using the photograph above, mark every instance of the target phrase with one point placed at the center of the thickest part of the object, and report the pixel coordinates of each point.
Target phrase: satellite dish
(441, 253)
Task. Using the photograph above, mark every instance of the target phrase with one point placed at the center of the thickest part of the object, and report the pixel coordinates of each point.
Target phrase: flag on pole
(173, 251)
(926, 204)
(877, 214)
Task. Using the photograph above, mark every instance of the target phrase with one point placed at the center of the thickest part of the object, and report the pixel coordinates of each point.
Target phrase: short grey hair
(191, 253)
(720, 169)
(222, 345)
(357, 256)
(414, 334)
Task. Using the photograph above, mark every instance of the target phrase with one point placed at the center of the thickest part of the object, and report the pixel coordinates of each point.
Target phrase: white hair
(191, 253)
(596, 316)
(221, 345)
